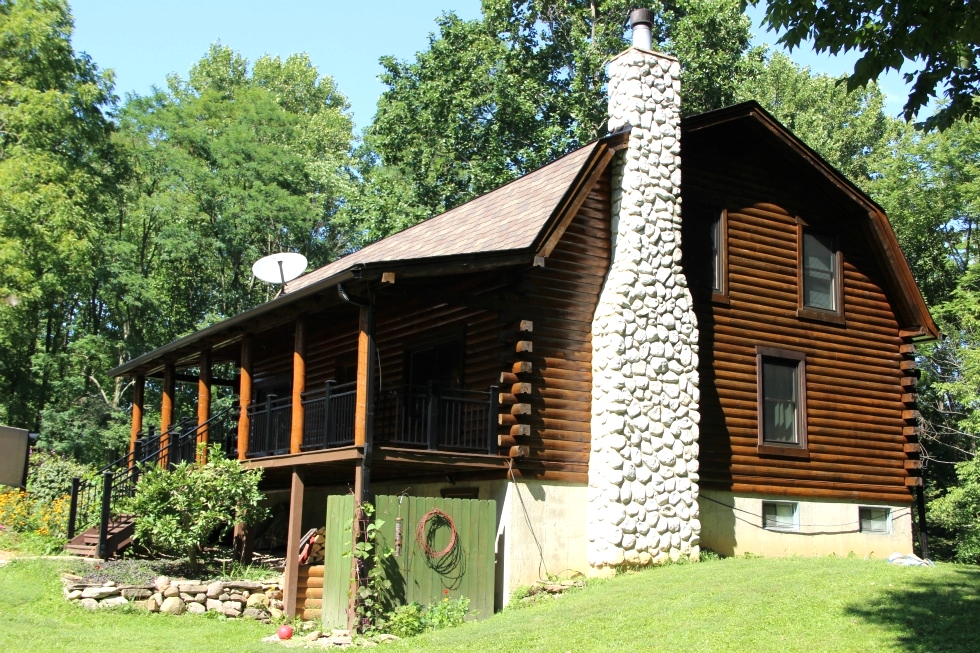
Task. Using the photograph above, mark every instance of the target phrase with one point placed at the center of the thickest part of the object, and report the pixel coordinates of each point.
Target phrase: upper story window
(719, 253)
(820, 276)
(705, 250)
(819, 271)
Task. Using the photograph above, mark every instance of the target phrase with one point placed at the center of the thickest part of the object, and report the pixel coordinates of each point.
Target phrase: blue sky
(144, 41)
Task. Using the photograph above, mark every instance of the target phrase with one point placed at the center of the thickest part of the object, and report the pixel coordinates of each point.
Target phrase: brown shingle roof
(508, 218)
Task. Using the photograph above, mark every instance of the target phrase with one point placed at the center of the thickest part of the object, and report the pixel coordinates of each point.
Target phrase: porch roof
(506, 226)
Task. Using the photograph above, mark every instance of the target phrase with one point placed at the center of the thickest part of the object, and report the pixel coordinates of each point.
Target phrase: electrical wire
(527, 519)
(760, 519)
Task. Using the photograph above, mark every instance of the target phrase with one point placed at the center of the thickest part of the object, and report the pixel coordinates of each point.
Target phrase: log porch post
(167, 411)
(295, 534)
(244, 396)
(363, 439)
(139, 386)
(204, 401)
(299, 387)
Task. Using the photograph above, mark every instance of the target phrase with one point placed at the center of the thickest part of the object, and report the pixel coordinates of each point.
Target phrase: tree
(180, 509)
(57, 190)
(847, 128)
(492, 99)
(940, 39)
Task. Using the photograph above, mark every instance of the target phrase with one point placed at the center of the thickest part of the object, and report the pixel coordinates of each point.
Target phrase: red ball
(285, 632)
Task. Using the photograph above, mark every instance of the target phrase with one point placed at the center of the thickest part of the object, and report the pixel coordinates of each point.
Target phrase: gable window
(820, 277)
(819, 271)
(874, 520)
(782, 401)
(780, 516)
(719, 259)
(705, 252)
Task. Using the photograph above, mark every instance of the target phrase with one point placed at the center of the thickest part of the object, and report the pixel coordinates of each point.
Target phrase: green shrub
(49, 475)
(412, 619)
(179, 510)
(958, 513)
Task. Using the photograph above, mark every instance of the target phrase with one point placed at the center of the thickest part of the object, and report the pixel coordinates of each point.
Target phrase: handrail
(120, 477)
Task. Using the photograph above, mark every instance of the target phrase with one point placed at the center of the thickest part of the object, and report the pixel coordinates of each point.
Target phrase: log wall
(854, 405)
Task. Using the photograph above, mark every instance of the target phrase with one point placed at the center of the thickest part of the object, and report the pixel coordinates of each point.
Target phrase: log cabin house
(629, 380)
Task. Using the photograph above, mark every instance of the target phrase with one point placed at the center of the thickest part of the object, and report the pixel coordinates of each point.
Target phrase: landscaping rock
(158, 597)
(113, 602)
(251, 586)
(187, 597)
(74, 594)
(161, 583)
(99, 592)
(173, 605)
(170, 591)
(224, 596)
(233, 613)
(232, 605)
(275, 613)
(340, 640)
(200, 597)
(136, 593)
(152, 605)
(257, 601)
(194, 589)
(313, 636)
(89, 604)
(214, 605)
(387, 638)
(255, 613)
(214, 590)
(237, 597)
(196, 608)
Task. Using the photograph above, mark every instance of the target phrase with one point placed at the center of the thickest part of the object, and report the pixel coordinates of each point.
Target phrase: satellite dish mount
(279, 268)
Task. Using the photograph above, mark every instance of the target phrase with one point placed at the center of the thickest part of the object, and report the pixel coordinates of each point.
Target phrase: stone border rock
(259, 600)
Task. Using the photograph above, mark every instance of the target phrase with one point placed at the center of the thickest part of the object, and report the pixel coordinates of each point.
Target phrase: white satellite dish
(279, 268)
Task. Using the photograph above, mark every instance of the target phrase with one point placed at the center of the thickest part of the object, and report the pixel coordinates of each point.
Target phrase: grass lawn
(745, 605)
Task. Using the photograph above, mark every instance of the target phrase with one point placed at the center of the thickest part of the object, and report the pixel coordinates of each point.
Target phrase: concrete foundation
(733, 525)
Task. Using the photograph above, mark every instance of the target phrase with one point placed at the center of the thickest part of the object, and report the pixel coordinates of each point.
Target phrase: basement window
(780, 516)
(874, 520)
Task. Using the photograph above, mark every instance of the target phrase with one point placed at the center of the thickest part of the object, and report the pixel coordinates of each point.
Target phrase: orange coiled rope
(423, 539)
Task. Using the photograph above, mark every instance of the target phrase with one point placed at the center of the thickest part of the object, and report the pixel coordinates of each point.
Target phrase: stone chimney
(643, 469)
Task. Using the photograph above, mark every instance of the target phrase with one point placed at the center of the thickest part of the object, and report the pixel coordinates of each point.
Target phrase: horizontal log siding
(561, 298)
(854, 396)
(402, 323)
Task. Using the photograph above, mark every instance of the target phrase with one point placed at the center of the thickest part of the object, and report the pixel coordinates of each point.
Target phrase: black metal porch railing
(328, 416)
(269, 424)
(95, 501)
(424, 417)
(438, 419)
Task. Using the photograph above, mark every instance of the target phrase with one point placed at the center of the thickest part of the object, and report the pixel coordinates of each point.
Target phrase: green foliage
(178, 510)
(846, 128)
(57, 193)
(374, 590)
(938, 40)
(412, 619)
(958, 513)
(49, 475)
(495, 98)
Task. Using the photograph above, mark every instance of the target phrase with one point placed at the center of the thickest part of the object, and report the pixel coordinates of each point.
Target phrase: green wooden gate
(466, 569)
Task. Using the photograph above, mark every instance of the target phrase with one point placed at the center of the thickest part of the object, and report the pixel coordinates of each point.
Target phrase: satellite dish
(279, 268)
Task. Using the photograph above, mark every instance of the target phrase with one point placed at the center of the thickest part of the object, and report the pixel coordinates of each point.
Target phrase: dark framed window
(820, 276)
(782, 401)
(705, 259)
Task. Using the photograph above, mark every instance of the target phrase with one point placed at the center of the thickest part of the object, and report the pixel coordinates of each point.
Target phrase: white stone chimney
(643, 469)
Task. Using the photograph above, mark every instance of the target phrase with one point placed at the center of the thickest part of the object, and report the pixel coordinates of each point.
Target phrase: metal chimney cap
(641, 17)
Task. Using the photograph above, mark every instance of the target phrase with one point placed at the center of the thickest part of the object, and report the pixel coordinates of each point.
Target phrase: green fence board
(466, 571)
(336, 560)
